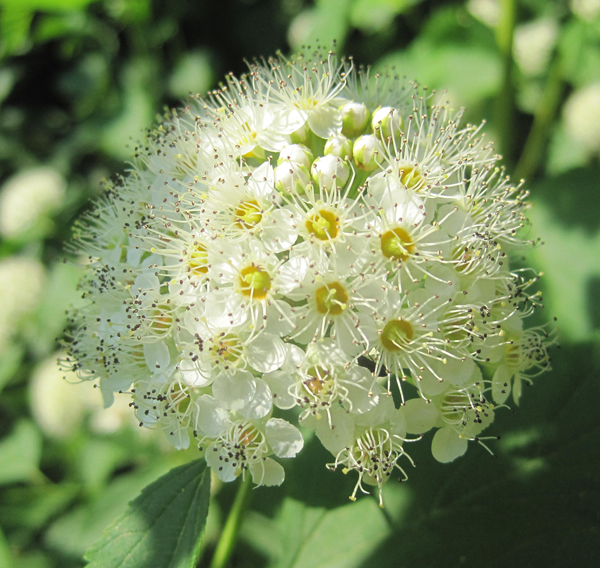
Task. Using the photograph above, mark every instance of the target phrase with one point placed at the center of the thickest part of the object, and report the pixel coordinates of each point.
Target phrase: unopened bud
(339, 146)
(366, 150)
(296, 153)
(355, 117)
(387, 122)
(291, 178)
(328, 170)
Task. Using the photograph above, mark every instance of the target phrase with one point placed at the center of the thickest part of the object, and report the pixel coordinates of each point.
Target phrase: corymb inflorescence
(316, 238)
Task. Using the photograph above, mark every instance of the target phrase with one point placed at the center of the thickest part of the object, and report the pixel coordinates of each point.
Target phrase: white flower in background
(21, 285)
(60, 402)
(587, 9)
(533, 45)
(582, 116)
(27, 198)
(316, 242)
(488, 11)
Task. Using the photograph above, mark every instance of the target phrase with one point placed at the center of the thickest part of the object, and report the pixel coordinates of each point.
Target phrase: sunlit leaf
(375, 15)
(313, 537)
(570, 259)
(5, 555)
(163, 527)
(76, 531)
(46, 5)
(326, 22)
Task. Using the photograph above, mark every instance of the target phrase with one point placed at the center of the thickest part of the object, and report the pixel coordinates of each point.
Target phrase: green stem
(542, 122)
(228, 538)
(505, 102)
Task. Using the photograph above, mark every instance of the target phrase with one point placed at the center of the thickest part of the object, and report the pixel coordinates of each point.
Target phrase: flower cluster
(310, 241)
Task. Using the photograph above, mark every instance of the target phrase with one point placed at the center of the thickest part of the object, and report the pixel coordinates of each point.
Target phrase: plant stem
(542, 121)
(505, 102)
(229, 534)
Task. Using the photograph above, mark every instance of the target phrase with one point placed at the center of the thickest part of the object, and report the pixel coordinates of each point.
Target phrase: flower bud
(354, 118)
(339, 146)
(297, 154)
(291, 177)
(327, 169)
(366, 150)
(387, 122)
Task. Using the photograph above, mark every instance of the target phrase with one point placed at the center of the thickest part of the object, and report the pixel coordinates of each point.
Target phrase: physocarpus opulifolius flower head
(310, 237)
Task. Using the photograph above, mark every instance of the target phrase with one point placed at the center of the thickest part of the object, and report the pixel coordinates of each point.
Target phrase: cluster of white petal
(310, 242)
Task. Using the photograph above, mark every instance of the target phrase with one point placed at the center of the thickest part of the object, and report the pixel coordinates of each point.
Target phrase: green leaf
(31, 506)
(5, 555)
(10, 360)
(46, 5)
(326, 22)
(163, 527)
(374, 16)
(76, 531)
(15, 22)
(313, 537)
(60, 293)
(119, 136)
(469, 73)
(567, 223)
(20, 454)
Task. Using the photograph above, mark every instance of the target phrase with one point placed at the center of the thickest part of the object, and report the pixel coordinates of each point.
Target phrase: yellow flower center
(397, 244)
(255, 282)
(464, 258)
(162, 318)
(332, 299)
(396, 335)
(227, 347)
(248, 214)
(320, 381)
(249, 436)
(324, 225)
(513, 354)
(410, 177)
(199, 260)
(454, 405)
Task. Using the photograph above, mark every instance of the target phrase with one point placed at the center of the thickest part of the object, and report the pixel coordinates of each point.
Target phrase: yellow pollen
(248, 214)
(324, 225)
(332, 299)
(512, 354)
(320, 380)
(199, 260)
(410, 177)
(396, 334)
(248, 436)
(454, 405)
(162, 318)
(255, 282)
(180, 398)
(227, 347)
(397, 244)
(463, 258)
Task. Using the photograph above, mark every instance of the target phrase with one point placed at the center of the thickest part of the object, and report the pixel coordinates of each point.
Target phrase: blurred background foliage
(81, 79)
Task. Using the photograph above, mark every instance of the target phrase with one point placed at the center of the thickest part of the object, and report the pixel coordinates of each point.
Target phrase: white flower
(524, 356)
(246, 446)
(374, 454)
(27, 198)
(533, 44)
(304, 241)
(587, 9)
(582, 116)
(21, 284)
